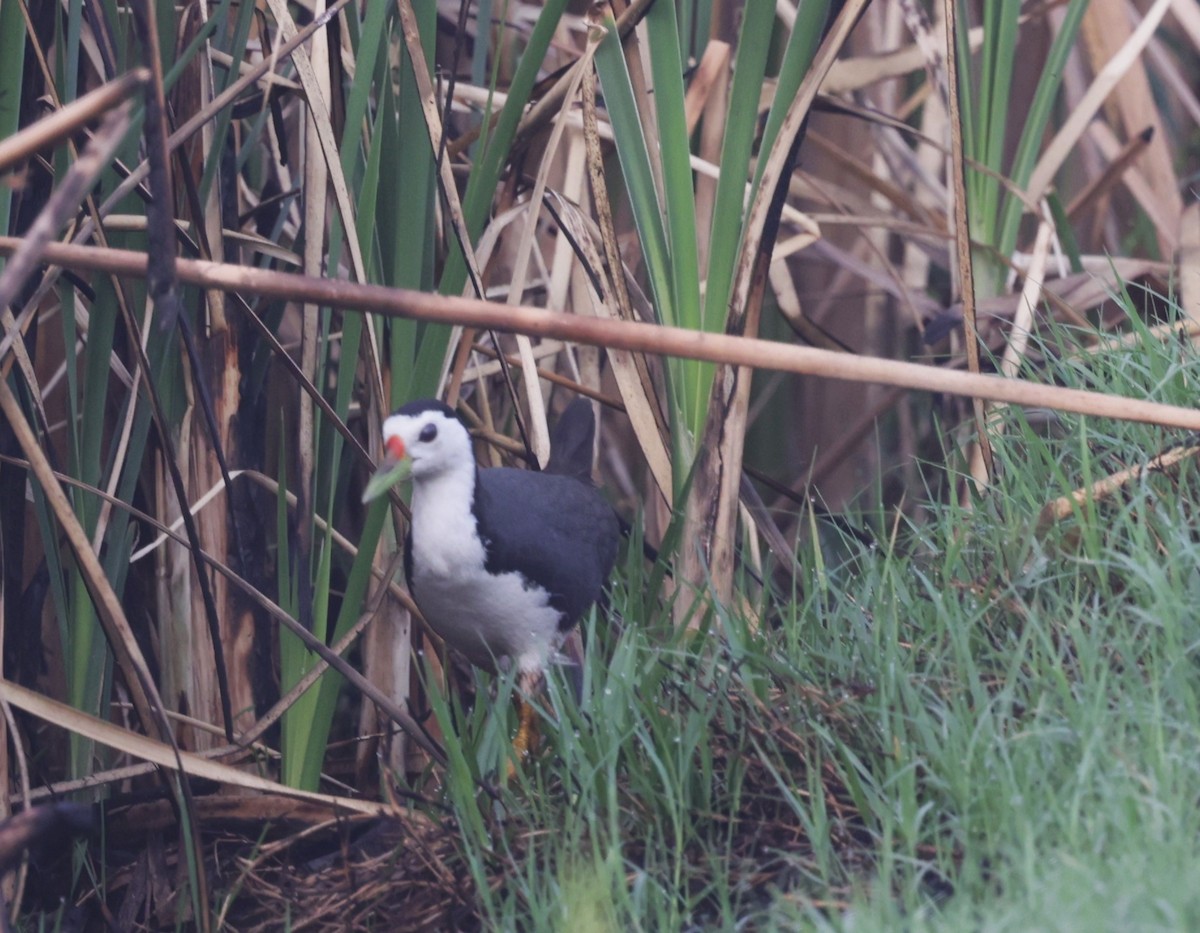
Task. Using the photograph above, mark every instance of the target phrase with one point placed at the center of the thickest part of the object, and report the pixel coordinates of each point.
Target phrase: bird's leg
(528, 683)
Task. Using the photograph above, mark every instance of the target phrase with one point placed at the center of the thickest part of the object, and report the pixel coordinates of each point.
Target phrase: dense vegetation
(879, 674)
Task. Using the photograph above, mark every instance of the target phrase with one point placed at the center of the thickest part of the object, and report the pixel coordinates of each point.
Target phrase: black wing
(556, 530)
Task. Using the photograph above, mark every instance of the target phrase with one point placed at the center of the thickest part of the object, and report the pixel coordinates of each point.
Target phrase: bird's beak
(395, 466)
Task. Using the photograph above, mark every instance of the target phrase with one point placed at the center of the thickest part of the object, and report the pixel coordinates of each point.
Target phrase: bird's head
(422, 439)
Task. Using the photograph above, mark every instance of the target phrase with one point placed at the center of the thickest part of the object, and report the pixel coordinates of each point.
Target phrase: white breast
(494, 620)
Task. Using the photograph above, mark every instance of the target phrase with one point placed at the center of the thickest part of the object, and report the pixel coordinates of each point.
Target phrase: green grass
(991, 119)
(976, 727)
(968, 724)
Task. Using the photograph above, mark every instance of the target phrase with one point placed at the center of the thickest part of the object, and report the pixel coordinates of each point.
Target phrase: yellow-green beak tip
(391, 471)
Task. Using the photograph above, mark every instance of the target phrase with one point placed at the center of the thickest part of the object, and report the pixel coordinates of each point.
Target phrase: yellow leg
(526, 741)
(527, 733)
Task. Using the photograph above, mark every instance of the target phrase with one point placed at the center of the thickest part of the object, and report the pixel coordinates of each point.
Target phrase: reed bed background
(906, 654)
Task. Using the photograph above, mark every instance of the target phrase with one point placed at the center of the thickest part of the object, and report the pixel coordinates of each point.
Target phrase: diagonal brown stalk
(962, 235)
(625, 335)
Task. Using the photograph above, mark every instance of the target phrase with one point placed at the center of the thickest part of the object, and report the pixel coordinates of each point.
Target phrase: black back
(556, 530)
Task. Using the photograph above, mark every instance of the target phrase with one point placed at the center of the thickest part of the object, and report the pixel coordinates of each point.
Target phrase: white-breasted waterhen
(502, 562)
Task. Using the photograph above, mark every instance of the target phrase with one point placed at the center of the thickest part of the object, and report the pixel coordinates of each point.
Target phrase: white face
(435, 442)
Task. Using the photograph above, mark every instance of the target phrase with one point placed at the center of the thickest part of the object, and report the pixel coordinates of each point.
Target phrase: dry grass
(159, 350)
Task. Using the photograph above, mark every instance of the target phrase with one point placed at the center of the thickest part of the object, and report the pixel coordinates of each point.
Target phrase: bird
(502, 562)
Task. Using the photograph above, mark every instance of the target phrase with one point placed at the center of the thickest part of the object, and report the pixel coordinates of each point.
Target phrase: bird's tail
(572, 441)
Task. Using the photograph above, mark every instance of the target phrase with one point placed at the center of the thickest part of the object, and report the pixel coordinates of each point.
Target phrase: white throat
(445, 537)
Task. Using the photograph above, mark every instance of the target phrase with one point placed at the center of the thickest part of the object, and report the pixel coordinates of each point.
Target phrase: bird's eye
(428, 433)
